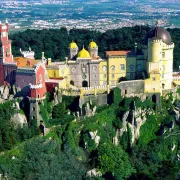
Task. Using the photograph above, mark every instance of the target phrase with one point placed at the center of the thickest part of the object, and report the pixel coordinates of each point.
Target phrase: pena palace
(84, 68)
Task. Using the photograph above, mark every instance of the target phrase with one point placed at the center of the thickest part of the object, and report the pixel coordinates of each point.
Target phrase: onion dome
(158, 33)
(92, 44)
(73, 45)
(83, 54)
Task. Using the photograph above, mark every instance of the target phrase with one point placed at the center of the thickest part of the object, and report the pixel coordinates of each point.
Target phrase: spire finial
(6, 21)
(83, 46)
(0, 22)
(157, 23)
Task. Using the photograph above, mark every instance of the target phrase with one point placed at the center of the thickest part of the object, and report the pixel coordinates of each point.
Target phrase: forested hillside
(55, 42)
(126, 139)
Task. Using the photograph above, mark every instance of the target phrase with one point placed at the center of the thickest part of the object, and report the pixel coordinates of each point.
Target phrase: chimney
(135, 48)
(42, 55)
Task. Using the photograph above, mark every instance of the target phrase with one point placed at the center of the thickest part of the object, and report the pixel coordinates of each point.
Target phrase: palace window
(94, 76)
(104, 68)
(154, 89)
(131, 75)
(163, 54)
(94, 68)
(40, 78)
(163, 85)
(131, 67)
(122, 67)
(112, 83)
(105, 75)
(104, 83)
(139, 67)
(163, 68)
(73, 69)
(112, 68)
(7, 52)
(153, 78)
(112, 75)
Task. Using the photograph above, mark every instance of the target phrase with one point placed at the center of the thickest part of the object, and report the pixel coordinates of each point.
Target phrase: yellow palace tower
(158, 50)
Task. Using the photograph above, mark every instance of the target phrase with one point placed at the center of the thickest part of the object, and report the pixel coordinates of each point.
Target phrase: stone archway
(84, 84)
(72, 83)
(154, 98)
(125, 91)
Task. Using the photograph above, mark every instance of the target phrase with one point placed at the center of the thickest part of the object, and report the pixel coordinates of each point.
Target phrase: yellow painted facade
(154, 65)
(159, 66)
(58, 71)
(116, 69)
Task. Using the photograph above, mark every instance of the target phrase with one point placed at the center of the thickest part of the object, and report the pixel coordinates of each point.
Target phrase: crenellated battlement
(154, 40)
(28, 54)
(170, 46)
(36, 86)
(4, 27)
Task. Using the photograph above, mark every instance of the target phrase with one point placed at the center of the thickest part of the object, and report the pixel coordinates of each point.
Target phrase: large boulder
(19, 120)
(5, 94)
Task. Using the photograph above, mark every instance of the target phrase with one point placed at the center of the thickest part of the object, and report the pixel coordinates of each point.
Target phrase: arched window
(112, 68)
(40, 78)
(72, 82)
(94, 68)
(131, 67)
(163, 68)
(73, 69)
(139, 67)
(104, 68)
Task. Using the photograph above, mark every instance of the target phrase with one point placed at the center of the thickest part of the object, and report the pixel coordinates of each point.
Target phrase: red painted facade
(37, 93)
(28, 76)
(39, 89)
(7, 65)
(6, 44)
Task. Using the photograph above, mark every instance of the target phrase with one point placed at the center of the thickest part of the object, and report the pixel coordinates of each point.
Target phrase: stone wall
(100, 100)
(131, 87)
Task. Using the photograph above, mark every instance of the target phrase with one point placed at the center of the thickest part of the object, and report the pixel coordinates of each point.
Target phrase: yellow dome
(73, 45)
(92, 44)
(83, 54)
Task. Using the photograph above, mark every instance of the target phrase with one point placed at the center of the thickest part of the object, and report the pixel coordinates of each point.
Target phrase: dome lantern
(158, 33)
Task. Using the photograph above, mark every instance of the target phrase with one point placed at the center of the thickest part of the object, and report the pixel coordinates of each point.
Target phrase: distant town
(99, 15)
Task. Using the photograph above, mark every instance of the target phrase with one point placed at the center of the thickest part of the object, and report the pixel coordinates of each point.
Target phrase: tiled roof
(117, 53)
(176, 74)
(25, 62)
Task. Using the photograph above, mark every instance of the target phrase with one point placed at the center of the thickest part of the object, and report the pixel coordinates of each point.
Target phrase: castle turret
(36, 97)
(7, 64)
(93, 49)
(160, 60)
(6, 52)
(73, 50)
(28, 54)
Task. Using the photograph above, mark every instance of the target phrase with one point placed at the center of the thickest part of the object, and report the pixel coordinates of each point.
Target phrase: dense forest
(55, 42)
(68, 151)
